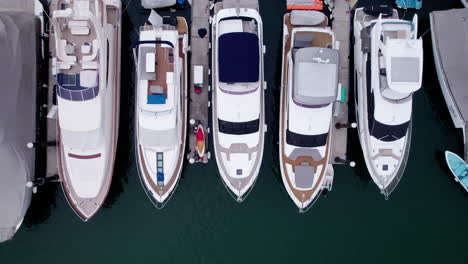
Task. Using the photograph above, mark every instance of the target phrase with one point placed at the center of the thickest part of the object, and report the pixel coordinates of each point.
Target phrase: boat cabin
(156, 71)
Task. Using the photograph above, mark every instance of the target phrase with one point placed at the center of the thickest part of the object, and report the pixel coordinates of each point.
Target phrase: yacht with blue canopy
(238, 94)
(161, 107)
(86, 66)
(388, 66)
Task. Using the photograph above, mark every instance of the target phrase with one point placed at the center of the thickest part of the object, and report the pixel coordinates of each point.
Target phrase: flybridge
(239, 57)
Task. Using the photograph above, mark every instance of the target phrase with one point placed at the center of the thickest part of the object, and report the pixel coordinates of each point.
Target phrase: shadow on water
(125, 144)
(44, 200)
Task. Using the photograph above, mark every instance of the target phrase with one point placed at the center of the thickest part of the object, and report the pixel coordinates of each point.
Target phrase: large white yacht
(161, 107)
(388, 65)
(309, 89)
(87, 69)
(238, 96)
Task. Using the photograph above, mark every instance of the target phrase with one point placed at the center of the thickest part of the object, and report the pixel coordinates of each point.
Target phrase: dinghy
(458, 167)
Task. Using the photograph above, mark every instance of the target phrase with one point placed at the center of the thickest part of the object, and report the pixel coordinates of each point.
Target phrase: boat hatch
(310, 87)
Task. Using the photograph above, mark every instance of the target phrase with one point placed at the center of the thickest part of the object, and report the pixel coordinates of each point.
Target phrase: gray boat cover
(315, 76)
(18, 59)
(447, 27)
(149, 4)
(307, 18)
(253, 4)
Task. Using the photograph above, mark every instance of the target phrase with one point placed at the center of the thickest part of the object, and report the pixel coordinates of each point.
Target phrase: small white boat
(309, 89)
(87, 64)
(458, 167)
(388, 66)
(238, 97)
(161, 107)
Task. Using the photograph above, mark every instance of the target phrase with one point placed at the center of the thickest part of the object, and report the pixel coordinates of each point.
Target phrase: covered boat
(20, 54)
(238, 94)
(451, 61)
(86, 62)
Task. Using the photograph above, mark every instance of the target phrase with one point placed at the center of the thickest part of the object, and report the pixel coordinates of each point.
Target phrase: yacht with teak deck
(388, 65)
(309, 89)
(161, 107)
(87, 71)
(238, 96)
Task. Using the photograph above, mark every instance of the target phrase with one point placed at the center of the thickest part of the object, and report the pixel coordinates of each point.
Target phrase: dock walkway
(199, 43)
(341, 26)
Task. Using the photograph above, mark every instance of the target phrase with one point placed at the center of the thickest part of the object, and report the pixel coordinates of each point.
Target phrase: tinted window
(379, 130)
(306, 141)
(238, 128)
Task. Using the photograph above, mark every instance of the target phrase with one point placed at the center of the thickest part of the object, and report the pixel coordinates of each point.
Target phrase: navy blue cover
(238, 57)
(74, 92)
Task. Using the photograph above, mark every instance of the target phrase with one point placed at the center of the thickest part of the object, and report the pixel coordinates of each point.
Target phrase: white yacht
(309, 89)
(161, 107)
(86, 60)
(388, 65)
(238, 96)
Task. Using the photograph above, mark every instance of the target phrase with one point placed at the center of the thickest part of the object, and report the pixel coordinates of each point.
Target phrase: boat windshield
(238, 128)
(306, 141)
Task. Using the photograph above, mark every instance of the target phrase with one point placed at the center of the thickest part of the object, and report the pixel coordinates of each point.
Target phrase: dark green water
(421, 223)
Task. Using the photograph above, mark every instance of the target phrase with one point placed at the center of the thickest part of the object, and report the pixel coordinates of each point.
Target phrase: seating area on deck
(77, 48)
(156, 65)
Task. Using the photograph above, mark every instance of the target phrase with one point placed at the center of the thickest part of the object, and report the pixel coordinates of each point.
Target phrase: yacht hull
(98, 163)
(160, 194)
(237, 187)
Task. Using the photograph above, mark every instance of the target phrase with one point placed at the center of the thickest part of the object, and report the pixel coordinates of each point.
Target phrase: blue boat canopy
(239, 58)
(69, 87)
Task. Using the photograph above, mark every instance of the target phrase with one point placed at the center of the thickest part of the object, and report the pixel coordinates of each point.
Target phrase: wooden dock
(198, 105)
(341, 26)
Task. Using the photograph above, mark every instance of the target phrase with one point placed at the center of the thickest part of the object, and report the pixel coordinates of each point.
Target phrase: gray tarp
(18, 58)
(149, 4)
(449, 29)
(315, 76)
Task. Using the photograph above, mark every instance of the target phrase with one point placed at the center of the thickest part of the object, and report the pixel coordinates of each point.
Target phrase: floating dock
(341, 14)
(52, 162)
(199, 66)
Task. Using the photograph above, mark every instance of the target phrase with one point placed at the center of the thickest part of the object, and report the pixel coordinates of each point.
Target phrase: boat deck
(341, 26)
(198, 102)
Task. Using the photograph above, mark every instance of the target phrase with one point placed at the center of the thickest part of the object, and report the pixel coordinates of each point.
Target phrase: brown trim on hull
(75, 156)
(301, 195)
(182, 28)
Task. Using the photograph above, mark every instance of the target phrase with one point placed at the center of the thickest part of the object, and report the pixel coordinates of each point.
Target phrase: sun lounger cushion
(157, 90)
(156, 99)
(304, 176)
